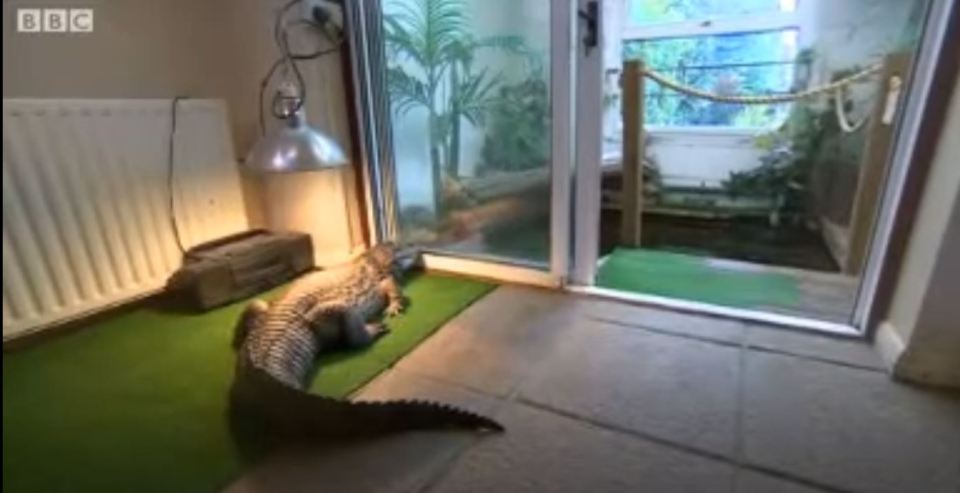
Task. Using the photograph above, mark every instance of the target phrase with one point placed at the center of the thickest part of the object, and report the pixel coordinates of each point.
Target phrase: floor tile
(403, 462)
(849, 428)
(822, 296)
(701, 326)
(393, 463)
(397, 384)
(673, 388)
(493, 345)
(544, 452)
(756, 482)
(854, 352)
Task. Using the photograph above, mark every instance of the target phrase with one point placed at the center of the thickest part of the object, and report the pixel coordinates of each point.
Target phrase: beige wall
(922, 330)
(197, 48)
(933, 353)
(139, 49)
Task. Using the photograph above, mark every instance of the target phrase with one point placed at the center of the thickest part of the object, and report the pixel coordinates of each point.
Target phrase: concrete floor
(598, 396)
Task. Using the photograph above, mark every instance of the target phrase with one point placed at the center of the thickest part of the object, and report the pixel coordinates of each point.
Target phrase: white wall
(702, 157)
(690, 156)
(933, 353)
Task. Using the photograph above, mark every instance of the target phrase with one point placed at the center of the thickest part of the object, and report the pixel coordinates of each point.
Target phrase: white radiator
(86, 220)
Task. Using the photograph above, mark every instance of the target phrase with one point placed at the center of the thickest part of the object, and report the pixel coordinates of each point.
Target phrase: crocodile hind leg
(255, 311)
(358, 332)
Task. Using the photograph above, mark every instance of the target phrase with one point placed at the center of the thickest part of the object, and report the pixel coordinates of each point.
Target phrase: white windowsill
(712, 131)
(705, 27)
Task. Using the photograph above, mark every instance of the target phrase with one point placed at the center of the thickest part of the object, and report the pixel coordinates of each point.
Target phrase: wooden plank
(500, 184)
(633, 151)
(873, 165)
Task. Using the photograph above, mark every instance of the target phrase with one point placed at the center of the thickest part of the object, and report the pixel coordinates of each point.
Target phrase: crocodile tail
(403, 415)
(295, 413)
(252, 315)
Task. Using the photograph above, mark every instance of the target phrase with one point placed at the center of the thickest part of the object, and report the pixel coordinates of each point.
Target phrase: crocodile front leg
(396, 303)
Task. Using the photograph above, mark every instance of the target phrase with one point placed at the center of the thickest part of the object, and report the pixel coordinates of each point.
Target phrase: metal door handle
(591, 16)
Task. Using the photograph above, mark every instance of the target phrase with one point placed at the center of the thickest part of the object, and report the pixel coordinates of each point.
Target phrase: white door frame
(364, 19)
(563, 139)
(589, 155)
(588, 174)
(907, 136)
(562, 62)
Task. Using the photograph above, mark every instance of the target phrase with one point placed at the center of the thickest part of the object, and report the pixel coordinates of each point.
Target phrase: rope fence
(634, 101)
(841, 114)
(831, 87)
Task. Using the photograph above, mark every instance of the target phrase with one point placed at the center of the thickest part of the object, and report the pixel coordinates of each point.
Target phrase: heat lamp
(293, 145)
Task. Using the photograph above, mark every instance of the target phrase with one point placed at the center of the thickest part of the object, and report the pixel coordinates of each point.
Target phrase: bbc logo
(55, 20)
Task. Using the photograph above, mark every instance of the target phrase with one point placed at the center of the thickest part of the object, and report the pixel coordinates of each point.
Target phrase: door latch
(591, 17)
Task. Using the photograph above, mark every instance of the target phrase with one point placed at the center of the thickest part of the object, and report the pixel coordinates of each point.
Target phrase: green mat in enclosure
(137, 402)
(693, 278)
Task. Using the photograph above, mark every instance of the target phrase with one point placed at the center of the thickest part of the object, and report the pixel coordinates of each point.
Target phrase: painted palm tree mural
(433, 66)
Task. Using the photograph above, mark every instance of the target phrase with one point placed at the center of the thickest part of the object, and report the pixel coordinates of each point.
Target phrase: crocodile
(278, 343)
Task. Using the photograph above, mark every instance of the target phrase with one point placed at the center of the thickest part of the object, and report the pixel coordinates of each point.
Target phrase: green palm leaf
(406, 92)
(431, 53)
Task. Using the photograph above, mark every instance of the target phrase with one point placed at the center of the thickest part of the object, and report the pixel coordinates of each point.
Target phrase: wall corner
(889, 344)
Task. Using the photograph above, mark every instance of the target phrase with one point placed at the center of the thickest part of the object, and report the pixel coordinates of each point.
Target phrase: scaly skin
(279, 342)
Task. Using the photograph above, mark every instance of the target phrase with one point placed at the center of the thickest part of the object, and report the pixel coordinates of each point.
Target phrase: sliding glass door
(464, 110)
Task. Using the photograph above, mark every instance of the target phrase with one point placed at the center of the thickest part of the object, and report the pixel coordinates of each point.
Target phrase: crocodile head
(388, 258)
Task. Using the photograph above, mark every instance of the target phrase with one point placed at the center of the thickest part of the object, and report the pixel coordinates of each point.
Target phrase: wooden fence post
(631, 213)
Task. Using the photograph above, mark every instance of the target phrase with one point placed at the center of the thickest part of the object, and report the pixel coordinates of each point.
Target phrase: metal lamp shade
(294, 147)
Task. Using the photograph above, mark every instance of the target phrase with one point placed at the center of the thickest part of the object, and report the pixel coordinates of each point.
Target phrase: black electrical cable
(281, 37)
(174, 226)
(283, 41)
(273, 70)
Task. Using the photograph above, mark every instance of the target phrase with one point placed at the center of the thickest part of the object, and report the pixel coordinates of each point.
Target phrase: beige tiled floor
(600, 397)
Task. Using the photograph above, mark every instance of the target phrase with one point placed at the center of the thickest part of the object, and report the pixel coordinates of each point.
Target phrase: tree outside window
(760, 62)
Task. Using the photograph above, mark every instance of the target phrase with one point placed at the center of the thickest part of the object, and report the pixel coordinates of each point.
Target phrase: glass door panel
(469, 103)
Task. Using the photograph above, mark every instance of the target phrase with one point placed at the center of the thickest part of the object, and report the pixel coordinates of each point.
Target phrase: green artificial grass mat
(692, 278)
(138, 402)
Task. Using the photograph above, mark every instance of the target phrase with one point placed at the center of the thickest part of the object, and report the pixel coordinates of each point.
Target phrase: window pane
(746, 63)
(661, 11)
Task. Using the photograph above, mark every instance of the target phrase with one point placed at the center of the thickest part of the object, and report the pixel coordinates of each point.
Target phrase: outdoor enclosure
(754, 132)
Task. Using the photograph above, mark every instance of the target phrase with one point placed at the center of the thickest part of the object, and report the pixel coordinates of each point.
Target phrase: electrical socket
(334, 10)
